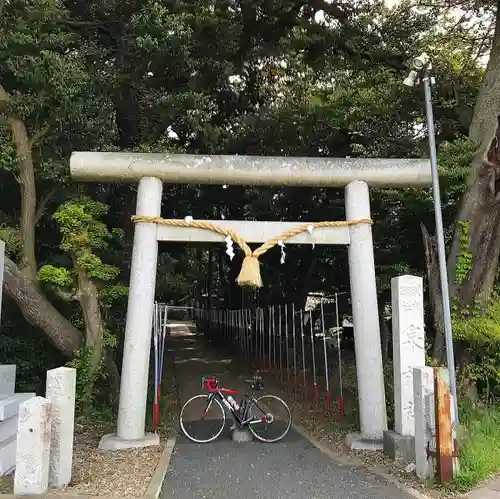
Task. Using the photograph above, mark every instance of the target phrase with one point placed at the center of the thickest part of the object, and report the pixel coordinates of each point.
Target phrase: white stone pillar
(137, 347)
(2, 266)
(408, 344)
(33, 447)
(425, 421)
(371, 392)
(61, 391)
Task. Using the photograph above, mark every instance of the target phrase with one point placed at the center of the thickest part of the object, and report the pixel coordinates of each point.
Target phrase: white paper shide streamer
(229, 247)
(281, 244)
(310, 229)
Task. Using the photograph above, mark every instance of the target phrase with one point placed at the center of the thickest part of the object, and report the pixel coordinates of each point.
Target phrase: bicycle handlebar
(210, 380)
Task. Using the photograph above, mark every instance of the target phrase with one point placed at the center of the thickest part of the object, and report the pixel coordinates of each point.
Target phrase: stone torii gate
(152, 170)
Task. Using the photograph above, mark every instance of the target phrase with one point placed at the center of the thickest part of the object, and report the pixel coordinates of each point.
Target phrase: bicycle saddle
(255, 383)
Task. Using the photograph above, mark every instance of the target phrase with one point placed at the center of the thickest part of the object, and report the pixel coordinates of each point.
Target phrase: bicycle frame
(218, 393)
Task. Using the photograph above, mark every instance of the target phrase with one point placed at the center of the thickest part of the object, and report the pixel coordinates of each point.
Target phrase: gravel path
(293, 468)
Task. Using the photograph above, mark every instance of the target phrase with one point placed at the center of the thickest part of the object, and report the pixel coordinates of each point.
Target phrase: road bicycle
(206, 413)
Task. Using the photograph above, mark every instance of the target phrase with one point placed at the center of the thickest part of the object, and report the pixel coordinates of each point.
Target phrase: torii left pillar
(370, 373)
(136, 351)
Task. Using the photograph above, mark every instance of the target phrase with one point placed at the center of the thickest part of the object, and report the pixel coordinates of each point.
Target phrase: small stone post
(33, 447)
(425, 422)
(408, 346)
(408, 352)
(61, 389)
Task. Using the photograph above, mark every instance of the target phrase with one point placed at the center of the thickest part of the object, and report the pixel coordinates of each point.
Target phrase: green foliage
(79, 225)
(464, 257)
(12, 240)
(109, 339)
(480, 446)
(82, 234)
(478, 332)
(112, 294)
(8, 159)
(51, 79)
(95, 268)
(23, 345)
(87, 377)
(455, 159)
(476, 325)
(55, 275)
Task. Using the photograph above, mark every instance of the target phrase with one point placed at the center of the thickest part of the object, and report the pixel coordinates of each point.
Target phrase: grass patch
(479, 447)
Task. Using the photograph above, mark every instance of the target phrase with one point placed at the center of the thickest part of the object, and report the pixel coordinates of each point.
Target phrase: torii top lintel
(248, 170)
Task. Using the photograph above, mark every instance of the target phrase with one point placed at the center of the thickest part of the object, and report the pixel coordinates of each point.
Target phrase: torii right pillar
(369, 366)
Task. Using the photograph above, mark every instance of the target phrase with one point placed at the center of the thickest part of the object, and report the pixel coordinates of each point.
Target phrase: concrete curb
(488, 490)
(155, 485)
(355, 463)
(152, 492)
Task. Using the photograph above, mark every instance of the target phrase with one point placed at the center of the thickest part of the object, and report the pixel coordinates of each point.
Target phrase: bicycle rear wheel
(272, 418)
(202, 419)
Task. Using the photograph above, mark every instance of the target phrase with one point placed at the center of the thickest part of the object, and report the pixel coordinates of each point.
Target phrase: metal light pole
(421, 66)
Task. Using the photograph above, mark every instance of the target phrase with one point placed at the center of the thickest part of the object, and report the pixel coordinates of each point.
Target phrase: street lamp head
(411, 79)
(420, 62)
(418, 66)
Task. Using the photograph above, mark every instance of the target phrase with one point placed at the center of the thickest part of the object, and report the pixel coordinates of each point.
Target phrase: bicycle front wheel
(271, 418)
(202, 419)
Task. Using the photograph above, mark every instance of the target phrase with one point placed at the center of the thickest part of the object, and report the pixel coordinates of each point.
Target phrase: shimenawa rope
(250, 270)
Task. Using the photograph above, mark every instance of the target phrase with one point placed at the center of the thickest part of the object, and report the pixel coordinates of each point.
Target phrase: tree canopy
(288, 77)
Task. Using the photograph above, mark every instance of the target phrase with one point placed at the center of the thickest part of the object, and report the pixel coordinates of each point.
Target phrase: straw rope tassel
(250, 270)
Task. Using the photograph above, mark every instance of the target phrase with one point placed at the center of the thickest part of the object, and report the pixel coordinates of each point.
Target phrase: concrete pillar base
(399, 447)
(356, 441)
(113, 442)
(241, 435)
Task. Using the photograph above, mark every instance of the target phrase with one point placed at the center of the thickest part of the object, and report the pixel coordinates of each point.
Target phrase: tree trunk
(113, 377)
(38, 311)
(435, 297)
(88, 297)
(26, 180)
(471, 280)
(480, 205)
(28, 196)
(20, 282)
